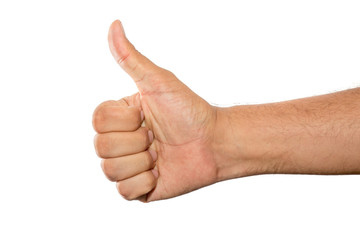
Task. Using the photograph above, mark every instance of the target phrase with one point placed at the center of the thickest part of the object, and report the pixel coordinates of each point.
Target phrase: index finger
(117, 118)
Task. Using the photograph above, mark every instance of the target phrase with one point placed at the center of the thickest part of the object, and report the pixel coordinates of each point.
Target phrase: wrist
(243, 143)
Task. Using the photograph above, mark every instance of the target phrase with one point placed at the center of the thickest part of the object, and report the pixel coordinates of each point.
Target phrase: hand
(187, 144)
(173, 153)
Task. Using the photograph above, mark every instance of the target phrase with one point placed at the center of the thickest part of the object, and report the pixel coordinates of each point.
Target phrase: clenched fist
(172, 153)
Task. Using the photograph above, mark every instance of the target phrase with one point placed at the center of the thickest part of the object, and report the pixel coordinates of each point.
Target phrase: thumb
(134, 63)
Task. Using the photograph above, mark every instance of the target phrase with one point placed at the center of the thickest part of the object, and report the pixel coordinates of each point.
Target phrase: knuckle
(167, 73)
(123, 191)
(164, 73)
(99, 115)
(108, 103)
(98, 120)
(108, 169)
(101, 145)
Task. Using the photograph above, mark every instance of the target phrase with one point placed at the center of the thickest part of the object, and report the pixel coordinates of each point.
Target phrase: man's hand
(172, 154)
(187, 144)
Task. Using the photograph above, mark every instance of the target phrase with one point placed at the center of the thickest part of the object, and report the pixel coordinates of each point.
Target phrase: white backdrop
(55, 68)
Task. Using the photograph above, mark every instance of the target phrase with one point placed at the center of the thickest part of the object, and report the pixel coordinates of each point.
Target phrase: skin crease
(198, 144)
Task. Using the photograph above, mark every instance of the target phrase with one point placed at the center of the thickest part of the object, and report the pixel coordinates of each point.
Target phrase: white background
(55, 68)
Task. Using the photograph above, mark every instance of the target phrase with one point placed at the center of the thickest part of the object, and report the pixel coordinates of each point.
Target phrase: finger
(136, 186)
(117, 144)
(116, 169)
(134, 63)
(114, 118)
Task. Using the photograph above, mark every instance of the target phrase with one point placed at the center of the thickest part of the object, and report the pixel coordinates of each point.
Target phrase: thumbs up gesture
(173, 152)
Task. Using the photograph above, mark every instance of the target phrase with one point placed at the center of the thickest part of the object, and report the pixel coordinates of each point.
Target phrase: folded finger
(113, 118)
(121, 168)
(117, 144)
(136, 186)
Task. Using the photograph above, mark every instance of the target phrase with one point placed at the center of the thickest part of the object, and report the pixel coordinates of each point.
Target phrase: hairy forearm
(316, 135)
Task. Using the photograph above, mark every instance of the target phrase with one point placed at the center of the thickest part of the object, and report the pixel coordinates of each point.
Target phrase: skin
(185, 143)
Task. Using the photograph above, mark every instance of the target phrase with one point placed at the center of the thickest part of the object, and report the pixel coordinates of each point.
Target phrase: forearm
(316, 135)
